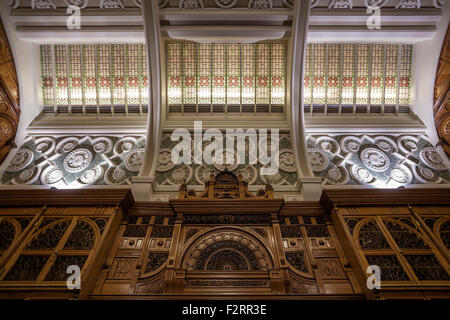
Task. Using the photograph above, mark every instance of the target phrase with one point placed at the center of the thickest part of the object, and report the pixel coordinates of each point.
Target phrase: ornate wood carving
(442, 95)
(9, 98)
(226, 185)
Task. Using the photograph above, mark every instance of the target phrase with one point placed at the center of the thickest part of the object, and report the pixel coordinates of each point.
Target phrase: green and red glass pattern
(362, 78)
(318, 82)
(390, 91)
(333, 79)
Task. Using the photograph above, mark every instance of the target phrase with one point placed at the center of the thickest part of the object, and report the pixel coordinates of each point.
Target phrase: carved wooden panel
(9, 97)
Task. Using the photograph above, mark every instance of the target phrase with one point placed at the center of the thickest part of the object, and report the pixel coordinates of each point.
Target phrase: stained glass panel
(376, 84)
(47, 75)
(278, 57)
(334, 75)
(248, 74)
(219, 74)
(307, 76)
(174, 73)
(262, 73)
(233, 74)
(118, 65)
(144, 74)
(104, 74)
(348, 69)
(319, 74)
(75, 80)
(204, 73)
(90, 74)
(390, 94)
(190, 74)
(362, 81)
(61, 72)
(134, 78)
(405, 75)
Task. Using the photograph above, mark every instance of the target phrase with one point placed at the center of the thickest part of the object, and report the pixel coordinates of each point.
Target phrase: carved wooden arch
(441, 108)
(9, 97)
(410, 229)
(362, 223)
(53, 251)
(17, 230)
(245, 238)
(438, 229)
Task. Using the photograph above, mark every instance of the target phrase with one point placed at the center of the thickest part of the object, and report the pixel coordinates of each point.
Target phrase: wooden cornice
(414, 196)
(303, 208)
(151, 209)
(229, 206)
(76, 197)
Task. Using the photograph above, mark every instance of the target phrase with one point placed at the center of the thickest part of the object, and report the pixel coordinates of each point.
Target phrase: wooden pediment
(225, 185)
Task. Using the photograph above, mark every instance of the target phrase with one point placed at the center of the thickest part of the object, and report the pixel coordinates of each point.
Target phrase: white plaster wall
(26, 59)
(425, 61)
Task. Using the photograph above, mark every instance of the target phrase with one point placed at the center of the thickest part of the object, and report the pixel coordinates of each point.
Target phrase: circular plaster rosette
(225, 4)
(227, 156)
(386, 144)
(350, 144)
(249, 174)
(92, 176)
(115, 175)
(337, 175)
(77, 160)
(124, 145)
(203, 173)
(318, 159)
(45, 145)
(432, 159)
(402, 175)
(51, 175)
(375, 159)
(28, 176)
(362, 175)
(21, 160)
(287, 161)
(329, 145)
(102, 145)
(67, 145)
(426, 175)
(134, 160)
(408, 144)
(181, 175)
(165, 160)
(274, 179)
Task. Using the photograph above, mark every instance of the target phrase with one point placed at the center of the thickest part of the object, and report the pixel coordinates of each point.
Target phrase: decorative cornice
(80, 197)
(380, 197)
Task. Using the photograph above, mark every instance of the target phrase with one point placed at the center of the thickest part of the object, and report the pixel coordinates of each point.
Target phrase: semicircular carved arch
(10, 230)
(442, 230)
(227, 249)
(9, 97)
(368, 235)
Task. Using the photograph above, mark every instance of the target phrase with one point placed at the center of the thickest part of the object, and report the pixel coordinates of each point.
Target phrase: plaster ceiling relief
(375, 3)
(79, 3)
(260, 4)
(438, 3)
(111, 4)
(191, 4)
(72, 161)
(14, 4)
(408, 4)
(340, 4)
(42, 4)
(225, 4)
(383, 161)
